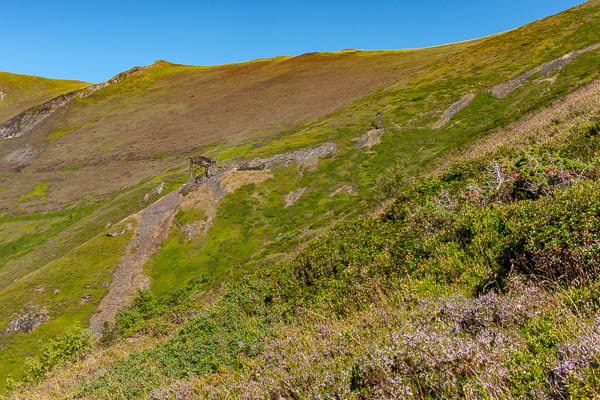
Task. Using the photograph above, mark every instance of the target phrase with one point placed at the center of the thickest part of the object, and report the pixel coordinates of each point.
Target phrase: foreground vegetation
(479, 283)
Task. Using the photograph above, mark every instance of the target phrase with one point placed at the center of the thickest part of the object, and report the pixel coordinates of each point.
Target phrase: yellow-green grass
(152, 114)
(39, 191)
(12, 230)
(85, 270)
(25, 91)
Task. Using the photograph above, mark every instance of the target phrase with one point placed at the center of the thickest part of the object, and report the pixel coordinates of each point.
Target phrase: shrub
(62, 350)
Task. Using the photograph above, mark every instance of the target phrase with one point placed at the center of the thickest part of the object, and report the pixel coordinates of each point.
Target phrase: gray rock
(32, 316)
(155, 191)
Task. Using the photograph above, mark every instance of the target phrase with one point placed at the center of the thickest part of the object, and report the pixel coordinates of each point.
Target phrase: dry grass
(58, 385)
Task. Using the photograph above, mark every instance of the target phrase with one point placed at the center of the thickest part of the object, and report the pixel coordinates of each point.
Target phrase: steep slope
(170, 111)
(20, 92)
(300, 153)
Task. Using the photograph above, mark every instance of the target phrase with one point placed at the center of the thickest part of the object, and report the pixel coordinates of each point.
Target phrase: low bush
(57, 352)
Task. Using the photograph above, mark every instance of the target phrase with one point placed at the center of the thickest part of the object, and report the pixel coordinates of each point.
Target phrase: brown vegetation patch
(177, 109)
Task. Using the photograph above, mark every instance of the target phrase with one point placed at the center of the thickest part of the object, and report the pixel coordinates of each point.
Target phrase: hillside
(269, 278)
(21, 92)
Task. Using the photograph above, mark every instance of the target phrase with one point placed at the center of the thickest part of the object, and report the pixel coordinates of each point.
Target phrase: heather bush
(460, 289)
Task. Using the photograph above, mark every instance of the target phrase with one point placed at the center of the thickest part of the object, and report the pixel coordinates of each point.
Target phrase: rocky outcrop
(20, 156)
(454, 109)
(370, 138)
(504, 89)
(24, 122)
(284, 159)
(31, 317)
(294, 196)
(2, 95)
(156, 191)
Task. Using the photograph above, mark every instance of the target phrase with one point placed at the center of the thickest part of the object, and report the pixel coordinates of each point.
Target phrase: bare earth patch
(153, 227)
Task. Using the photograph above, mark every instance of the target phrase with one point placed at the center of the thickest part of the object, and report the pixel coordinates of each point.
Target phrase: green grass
(10, 231)
(235, 152)
(253, 230)
(162, 156)
(185, 217)
(79, 255)
(24, 91)
(53, 137)
(89, 265)
(39, 192)
(419, 250)
(249, 229)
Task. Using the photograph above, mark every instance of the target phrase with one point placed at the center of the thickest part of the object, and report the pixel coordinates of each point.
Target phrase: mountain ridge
(256, 248)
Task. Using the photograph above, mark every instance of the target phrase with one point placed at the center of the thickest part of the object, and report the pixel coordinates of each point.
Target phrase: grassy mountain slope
(472, 284)
(116, 145)
(20, 92)
(148, 122)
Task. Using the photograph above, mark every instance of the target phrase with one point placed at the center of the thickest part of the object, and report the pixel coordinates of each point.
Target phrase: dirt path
(155, 221)
(153, 227)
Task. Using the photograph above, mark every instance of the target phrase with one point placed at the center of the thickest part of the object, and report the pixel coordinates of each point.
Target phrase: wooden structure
(200, 166)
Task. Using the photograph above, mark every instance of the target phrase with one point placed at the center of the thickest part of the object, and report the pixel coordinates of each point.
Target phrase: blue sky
(94, 40)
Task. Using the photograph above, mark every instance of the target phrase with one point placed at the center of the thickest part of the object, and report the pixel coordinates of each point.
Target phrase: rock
(370, 138)
(155, 191)
(39, 289)
(85, 298)
(454, 109)
(249, 167)
(284, 159)
(56, 291)
(504, 89)
(2, 95)
(292, 197)
(20, 157)
(32, 317)
(116, 233)
(345, 189)
(107, 226)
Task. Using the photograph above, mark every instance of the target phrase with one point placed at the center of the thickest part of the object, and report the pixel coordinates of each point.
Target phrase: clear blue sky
(94, 40)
